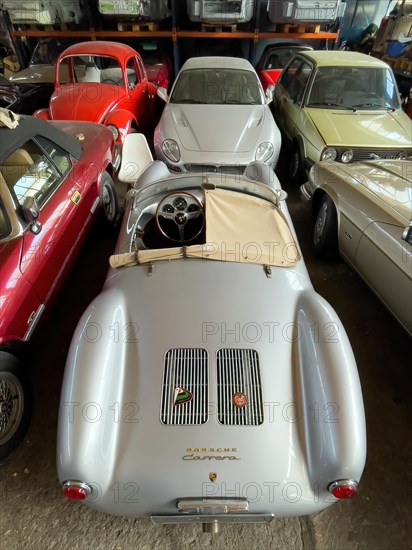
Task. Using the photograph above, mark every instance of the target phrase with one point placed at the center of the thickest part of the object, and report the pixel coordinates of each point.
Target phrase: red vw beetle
(53, 178)
(107, 84)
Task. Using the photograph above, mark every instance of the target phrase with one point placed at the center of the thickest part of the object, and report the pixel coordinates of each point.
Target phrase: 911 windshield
(217, 87)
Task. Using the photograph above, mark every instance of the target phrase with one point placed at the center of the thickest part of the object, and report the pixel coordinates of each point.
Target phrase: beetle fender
(123, 121)
(42, 113)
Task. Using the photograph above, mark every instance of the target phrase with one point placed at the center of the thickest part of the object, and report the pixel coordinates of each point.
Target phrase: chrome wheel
(11, 406)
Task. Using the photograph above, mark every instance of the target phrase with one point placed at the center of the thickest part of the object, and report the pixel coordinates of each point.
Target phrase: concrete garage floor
(34, 514)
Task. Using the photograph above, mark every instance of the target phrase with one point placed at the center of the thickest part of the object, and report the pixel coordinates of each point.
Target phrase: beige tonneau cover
(239, 228)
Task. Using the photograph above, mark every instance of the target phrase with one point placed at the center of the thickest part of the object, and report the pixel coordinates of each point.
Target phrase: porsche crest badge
(181, 395)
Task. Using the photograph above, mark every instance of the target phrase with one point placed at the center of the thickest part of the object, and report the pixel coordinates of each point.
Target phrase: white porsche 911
(217, 119)
(209, 382)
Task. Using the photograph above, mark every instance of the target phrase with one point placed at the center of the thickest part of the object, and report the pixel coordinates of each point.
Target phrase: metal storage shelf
(173, 34)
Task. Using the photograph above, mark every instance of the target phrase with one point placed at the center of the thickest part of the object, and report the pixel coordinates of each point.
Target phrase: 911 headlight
(171, 150)
(402, 155)
(329, 154)
(264, 151)
(113, 130)
(347, 156)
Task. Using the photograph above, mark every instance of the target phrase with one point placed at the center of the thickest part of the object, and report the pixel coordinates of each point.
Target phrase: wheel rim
(11, 405)
(107, 202)
(320, 223)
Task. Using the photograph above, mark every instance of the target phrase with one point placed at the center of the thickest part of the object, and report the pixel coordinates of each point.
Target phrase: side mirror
(30, 211)
(407, 234)
(269, 93)
(282, 195)
(162, 93)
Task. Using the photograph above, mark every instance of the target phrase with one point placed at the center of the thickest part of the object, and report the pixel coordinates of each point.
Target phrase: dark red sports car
(53, 179)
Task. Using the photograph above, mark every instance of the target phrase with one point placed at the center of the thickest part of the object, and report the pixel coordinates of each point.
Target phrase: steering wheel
(111, 81)
(180, 208)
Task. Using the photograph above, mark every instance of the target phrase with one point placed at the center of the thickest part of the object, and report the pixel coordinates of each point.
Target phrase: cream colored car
(365, 211)
(343, 106)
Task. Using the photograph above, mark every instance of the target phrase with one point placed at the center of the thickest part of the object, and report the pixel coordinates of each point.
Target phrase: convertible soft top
(239, 228)
(29, 127)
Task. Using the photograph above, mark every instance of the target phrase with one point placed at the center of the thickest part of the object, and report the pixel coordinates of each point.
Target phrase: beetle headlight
(329, 154)
(113, 130)
(264, 151)
(402, 155)
(171, 150)
(347, 156)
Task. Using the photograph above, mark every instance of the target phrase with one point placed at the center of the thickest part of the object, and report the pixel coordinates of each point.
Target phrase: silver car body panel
(110, 432)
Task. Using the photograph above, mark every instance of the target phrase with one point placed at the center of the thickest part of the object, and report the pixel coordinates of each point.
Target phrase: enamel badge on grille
(181, 395)
(239, 400)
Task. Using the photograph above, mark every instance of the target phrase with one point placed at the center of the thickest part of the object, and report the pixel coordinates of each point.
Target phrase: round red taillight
(76, 490)
(344, 488)
(75, 493)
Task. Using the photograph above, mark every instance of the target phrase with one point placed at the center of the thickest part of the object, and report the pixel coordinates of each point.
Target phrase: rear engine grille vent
(187, 369)
(238, 371)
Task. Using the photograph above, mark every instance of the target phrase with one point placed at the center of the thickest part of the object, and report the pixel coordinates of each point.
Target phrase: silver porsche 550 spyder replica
(209, 382)
(217, 118)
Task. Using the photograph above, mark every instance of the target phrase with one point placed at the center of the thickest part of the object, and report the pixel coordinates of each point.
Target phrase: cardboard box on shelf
(11, 65)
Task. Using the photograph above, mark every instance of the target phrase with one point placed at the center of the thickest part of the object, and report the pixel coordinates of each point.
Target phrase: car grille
(369, 154)
(185, 368)
(236, 169)
(238, 372)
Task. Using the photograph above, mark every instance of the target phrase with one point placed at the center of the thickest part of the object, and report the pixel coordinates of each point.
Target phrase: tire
(108, 199)
(15, 403)
(296, 169)
(325, 232)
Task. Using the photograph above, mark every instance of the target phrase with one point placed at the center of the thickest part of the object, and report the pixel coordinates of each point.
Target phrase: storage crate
(11, 65)
(220, 11)
(305, 11)
(135, 9)
(45, 12)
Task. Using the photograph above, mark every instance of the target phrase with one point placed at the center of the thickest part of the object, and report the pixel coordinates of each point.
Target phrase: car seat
(274, 62)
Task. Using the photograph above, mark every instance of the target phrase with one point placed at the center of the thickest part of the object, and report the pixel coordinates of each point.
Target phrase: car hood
(362, 128)
(214, 128)
(390, 181)
(40, 73)
(78, 102)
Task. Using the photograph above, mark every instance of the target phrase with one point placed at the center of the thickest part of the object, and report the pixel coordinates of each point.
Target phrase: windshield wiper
(327, 104)
(374, 105)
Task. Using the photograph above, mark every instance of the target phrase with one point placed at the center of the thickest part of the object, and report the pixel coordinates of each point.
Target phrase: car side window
(142, 68)
(132, 73)
(295, 78)
(29, 172)
(59, 157)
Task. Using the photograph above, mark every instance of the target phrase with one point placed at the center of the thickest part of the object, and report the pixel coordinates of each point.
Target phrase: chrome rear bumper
(213, 518)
